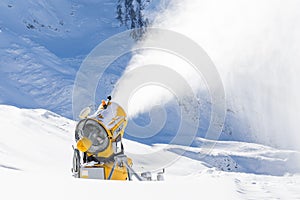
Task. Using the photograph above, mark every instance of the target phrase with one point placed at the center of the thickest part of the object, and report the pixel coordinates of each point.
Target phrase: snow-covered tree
(130, 14)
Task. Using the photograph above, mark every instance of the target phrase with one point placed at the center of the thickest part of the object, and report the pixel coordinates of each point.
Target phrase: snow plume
(169, 89)
(255, 46)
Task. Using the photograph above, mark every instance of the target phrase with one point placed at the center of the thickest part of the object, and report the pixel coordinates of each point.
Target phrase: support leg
(112, 171)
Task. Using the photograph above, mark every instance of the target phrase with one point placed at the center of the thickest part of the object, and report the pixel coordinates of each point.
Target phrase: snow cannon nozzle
(109, 98)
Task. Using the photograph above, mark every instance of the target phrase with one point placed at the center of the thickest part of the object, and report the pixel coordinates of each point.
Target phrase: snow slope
(36, 157)
(42, 45)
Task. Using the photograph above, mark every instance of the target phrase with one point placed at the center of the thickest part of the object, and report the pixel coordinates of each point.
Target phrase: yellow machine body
(112, 121)
(103, 171)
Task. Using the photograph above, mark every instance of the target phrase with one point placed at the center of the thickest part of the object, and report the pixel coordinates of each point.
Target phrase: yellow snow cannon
(99, 152)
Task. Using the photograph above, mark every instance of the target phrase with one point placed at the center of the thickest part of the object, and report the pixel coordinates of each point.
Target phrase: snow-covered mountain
(36, 158)
(42, 44)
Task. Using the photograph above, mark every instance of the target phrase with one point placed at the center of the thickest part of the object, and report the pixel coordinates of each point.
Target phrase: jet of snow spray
(256, 49)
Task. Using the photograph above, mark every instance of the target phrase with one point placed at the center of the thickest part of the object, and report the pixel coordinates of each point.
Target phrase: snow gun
(99, 151)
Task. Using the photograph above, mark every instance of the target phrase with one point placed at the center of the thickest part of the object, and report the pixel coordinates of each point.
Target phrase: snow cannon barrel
(98, 134)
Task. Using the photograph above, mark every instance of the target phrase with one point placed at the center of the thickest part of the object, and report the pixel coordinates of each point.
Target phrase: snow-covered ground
(36, 160)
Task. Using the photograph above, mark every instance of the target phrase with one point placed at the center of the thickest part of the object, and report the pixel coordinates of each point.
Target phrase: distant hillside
(42, 44)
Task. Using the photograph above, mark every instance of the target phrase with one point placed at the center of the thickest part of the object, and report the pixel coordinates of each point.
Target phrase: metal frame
(121, 160)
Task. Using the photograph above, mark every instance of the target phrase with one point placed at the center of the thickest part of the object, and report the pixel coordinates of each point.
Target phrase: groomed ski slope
(36, 159)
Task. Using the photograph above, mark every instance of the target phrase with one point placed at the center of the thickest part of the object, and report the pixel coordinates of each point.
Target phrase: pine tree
(130, 14)
(120, 14)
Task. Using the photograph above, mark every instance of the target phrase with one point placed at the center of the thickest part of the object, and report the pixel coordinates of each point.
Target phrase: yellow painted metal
(114, 120)
(119, 173)
(84, 144)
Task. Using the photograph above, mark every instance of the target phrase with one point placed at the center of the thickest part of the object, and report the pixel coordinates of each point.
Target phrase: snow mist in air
(255, 46)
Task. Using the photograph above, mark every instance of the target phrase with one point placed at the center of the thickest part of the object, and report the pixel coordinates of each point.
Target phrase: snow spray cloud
(255, 45)
(155, 76)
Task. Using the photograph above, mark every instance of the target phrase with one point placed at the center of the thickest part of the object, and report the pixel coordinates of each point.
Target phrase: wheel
(76, 163)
